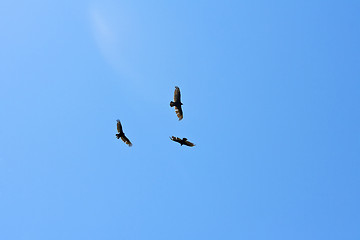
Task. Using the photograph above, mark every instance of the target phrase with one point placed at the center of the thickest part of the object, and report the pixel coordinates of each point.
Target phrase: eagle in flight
(121, 134)
(183, 141)
(177, 103)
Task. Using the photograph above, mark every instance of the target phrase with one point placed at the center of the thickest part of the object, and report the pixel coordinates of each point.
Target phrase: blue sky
(271, 96)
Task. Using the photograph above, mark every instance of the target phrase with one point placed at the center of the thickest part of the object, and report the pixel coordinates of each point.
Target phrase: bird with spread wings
(177, 103)
(183, 141)
(121, 134)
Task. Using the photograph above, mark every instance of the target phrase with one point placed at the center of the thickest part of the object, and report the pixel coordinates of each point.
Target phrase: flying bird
(177, 103)
(183, 141)
(121, 134)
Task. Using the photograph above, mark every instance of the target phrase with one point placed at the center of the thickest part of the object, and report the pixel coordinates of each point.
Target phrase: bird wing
(126, 140)
(175, 139)
(177, 94)
(179, 112)
(119, 127)
(190, 144)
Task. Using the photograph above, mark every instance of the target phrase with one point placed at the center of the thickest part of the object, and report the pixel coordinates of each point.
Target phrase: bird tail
(117, 135)
(172, 104)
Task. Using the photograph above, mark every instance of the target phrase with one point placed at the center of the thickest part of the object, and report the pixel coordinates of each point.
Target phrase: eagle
(177, 103)
(121, 134)
(183, 141)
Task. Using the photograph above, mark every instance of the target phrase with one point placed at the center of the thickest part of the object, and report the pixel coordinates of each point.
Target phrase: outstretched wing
(177, 94)
(179, 112)
(175, 139)
(119, 127)
(126, 140)
(190, 144)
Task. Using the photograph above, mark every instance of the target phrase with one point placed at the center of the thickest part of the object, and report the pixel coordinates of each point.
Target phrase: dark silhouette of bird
(177, 103)
(183, 141)
(121, 134)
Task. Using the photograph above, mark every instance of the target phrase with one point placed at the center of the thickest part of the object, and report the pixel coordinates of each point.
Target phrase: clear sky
(271, 93)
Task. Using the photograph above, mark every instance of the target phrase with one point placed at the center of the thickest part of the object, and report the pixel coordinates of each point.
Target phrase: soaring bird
(177, 103)
(183, 141)
(121, 134)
